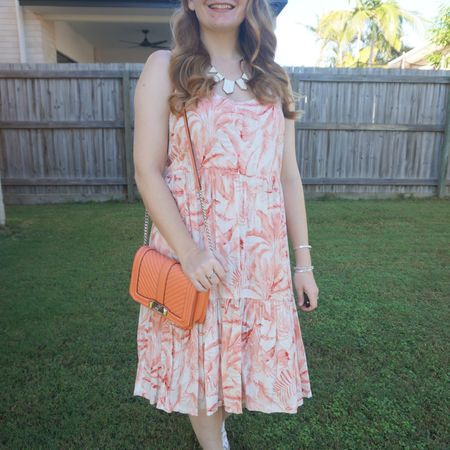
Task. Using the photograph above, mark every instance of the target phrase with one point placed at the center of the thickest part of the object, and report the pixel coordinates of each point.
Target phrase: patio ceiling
(277, 5)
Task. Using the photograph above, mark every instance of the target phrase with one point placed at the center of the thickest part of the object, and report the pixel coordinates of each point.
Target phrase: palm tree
(333, 28)
(372, 29)
(382, 24)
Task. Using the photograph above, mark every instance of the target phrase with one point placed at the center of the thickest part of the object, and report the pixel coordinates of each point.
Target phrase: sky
(297, 46)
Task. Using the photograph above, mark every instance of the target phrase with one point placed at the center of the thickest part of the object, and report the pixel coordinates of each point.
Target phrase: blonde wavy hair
(190, 59)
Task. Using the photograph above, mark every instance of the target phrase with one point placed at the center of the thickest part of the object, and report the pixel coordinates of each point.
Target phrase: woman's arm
(296, 220)
(150, 151)
(294, 197)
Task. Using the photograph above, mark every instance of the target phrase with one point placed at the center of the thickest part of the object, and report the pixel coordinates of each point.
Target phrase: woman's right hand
(197, 263)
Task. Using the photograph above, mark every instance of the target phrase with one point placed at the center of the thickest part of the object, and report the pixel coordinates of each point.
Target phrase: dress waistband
(228, 170)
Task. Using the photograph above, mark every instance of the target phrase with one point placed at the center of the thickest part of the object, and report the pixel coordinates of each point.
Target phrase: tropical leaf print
(249, 352)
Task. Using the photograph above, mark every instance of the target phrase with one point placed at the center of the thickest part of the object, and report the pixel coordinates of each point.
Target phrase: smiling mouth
(221, 7)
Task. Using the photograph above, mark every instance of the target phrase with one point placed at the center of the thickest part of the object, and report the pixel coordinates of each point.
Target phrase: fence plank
(444, 159)
(128, 136)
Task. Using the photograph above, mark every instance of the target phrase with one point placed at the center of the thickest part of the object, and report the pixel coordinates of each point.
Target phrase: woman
(249, 351)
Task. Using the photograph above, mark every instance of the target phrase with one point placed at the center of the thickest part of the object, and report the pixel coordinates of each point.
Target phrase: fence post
(127, 134)
(443, 163)
(2, 206)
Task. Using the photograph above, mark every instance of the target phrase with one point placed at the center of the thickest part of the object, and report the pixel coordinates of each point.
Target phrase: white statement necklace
(228, 85)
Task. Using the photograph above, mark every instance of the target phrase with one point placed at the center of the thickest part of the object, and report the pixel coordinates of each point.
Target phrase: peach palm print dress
(249, 351)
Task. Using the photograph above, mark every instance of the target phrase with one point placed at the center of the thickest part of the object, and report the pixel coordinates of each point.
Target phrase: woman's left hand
(304, 282)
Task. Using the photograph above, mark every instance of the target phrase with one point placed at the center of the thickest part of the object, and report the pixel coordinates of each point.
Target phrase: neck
(222, 46)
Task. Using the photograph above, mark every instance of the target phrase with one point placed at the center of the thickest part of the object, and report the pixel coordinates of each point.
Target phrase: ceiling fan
(145, 42)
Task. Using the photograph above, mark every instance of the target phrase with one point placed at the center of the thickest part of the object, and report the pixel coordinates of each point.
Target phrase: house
(416, 58)
(86, 31)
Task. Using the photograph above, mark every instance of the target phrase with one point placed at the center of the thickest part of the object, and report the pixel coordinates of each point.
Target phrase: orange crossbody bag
(159, 282)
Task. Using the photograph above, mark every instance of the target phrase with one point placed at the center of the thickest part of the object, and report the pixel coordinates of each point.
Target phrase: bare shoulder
(157, 63)
(154, 83)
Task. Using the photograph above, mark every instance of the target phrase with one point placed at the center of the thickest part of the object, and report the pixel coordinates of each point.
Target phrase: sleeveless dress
(249, 351)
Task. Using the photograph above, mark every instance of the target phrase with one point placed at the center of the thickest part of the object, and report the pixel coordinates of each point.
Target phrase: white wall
(73, 44)
(42, 38)
(39, 38)
(9, 37)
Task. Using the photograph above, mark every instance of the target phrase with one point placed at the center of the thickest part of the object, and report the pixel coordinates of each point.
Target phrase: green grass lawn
(377, 346)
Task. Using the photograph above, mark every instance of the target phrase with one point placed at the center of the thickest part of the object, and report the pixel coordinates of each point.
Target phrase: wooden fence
(66, 132)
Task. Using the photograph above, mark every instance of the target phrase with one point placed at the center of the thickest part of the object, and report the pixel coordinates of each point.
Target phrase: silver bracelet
(302, 246)
(303, 268)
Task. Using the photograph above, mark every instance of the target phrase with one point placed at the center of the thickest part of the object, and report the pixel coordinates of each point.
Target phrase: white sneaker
(225, 443)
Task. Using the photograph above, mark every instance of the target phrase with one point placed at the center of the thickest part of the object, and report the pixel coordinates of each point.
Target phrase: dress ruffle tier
(249, 353)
